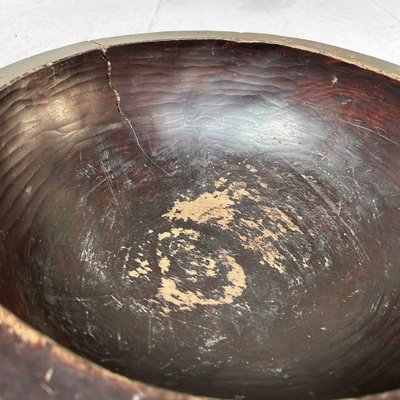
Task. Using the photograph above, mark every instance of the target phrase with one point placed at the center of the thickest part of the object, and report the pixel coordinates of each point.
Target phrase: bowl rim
(19, 69)
(31, 338)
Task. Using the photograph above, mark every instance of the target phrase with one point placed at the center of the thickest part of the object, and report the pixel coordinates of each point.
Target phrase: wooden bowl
(212, 213)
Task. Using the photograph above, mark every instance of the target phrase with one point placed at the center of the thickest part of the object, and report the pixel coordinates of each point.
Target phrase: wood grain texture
(213, 217)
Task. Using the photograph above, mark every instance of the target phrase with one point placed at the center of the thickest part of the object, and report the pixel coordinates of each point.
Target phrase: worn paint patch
(140, 271)
(141, 266)
(220, 182)
(193, 273)
(264, 241)
(223, 208)
(251, 168)
(164, 264)
(178, 282)
(217, 207)
(275, 214)
(173, 291)
(163, 260)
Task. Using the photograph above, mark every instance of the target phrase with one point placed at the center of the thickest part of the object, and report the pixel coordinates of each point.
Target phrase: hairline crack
(103, 51)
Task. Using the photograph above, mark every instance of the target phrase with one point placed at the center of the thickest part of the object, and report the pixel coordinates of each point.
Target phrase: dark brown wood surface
(214, 217)
(34, 367)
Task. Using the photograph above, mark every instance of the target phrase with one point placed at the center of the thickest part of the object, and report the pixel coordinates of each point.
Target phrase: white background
(28, 27)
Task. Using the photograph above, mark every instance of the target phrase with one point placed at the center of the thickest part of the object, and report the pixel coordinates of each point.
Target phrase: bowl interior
(215, 217)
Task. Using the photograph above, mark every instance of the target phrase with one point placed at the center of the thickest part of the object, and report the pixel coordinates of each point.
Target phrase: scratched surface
(213, 217)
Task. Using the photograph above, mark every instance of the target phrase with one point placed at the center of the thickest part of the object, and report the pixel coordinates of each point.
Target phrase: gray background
(28, 27)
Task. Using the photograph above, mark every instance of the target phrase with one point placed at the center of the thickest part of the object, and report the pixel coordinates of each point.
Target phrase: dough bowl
(199, 214)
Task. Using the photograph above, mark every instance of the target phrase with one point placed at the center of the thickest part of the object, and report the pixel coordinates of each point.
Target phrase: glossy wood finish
(214, 217)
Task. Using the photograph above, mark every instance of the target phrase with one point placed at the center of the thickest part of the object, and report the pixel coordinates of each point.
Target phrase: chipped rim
(15, 71)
